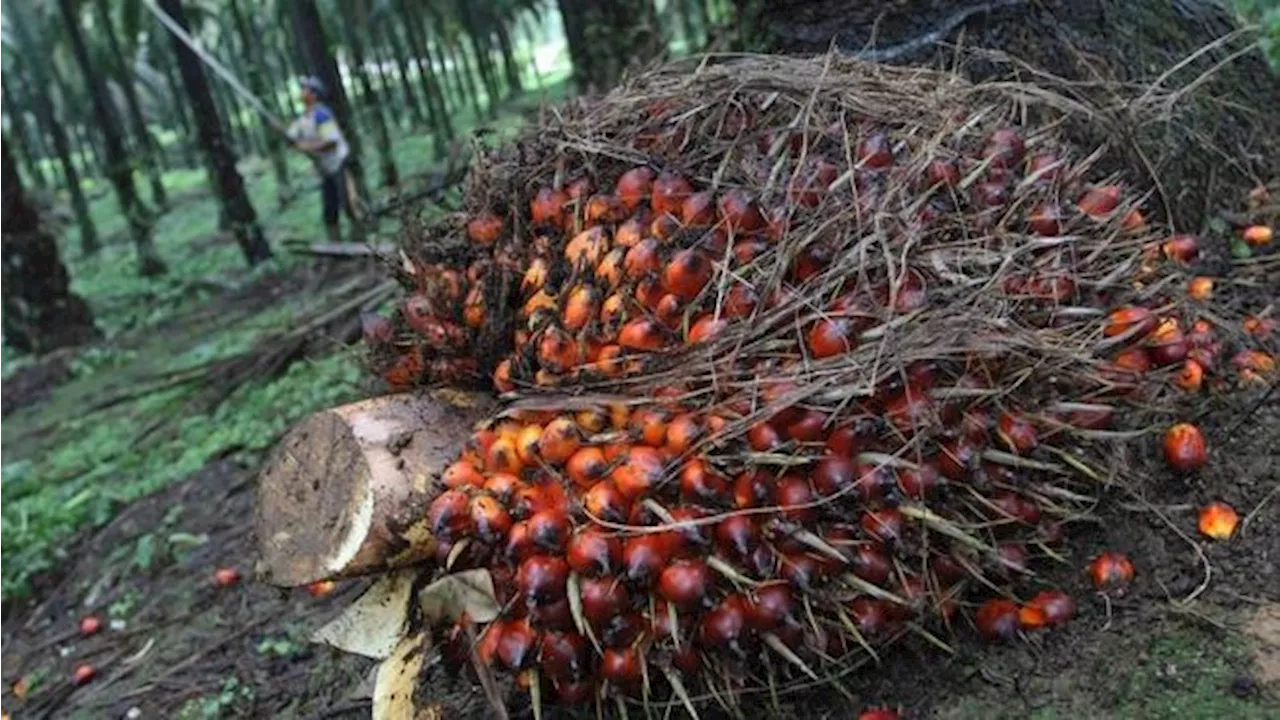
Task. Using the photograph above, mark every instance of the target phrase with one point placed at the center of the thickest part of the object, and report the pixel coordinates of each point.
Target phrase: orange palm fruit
(462, 474)
(1099, 202)
(642, 334)
(591, 421)
(683, 431)
(527, 444)
(580, 307)
(633, 229)
(1258, 235)
(688, 272)
(603, 209)
(504, 456)
(698, 210)
(648, 425)
(557, 350)
(535, 277)
(634, 186)
(642, 259)
(1191, 377)
(1130, 319)
(586, 466)
(610, 361)
(1218, 521)
(1200, 288)
(560, 440)
(609, 272)
(706, 327)
(473, 309)
(484, 229)
(502, 381)
(587, 248)
(669, 192)
(668, 311)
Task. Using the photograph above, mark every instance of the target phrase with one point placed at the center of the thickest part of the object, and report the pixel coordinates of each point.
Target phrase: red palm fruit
(449, 515)
(699, 482)
(686, 659)
(639, 472)
(1017, 433)
(997, 619)
(622, 667)
(1004, 148)
(991, 194)
(698, 210)
(909, 410)
(462, 474)
(871, 563)
(912, 293)
(1053, 607)
(831, 336)
(943, 172)
(547, 208)
(1111, 572)
(603, 209)
(664, 226)
(1046, 219)
(705, 328)
(631, 232)
(557, 615)
(874, 151)
(580, 307)
(633, 187)
(920, 482)
(642, 334)
(1131, 320)
(737, 535)
(803, 570)
(739, 213)
(593, 552)
(519, 543)
(1043, 168)
(975, 425)
(844, 442)
(753, 489)
(956, 458)
(763, 437)
(811, 260)
(542, 578)
(1184, 448)
(502, 486)
(83, 674)
(623, 630)
(740, 301)
(517, 644)
(1012, 506)
(833, 474)
(1181, 248)
(668, 311)
(565, 656)
(870, 617)
(1099, 202)
(648, 426)
(557, 350)
(490, 519)
(872, 480)
(687, 274)
(642, 259)
(683, 432)
(579, 190)
(807, 426)
(586, 466)
(560, 441)
(669, 193)
(886, 525)
(1010, 561)
(644, 557)
(685, 583)
(484, 229)
(794, 495)
(723, 626)
(549, 528)
(603, 598)
(690, 533)
(880, 713)
(773, 605)
(490, 638)
(1134, 361)
(587, 248)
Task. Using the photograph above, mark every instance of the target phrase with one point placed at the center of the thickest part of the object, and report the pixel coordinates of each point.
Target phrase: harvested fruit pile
(800, 357)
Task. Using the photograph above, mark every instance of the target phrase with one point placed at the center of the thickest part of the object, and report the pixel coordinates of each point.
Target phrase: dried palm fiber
(800, 356)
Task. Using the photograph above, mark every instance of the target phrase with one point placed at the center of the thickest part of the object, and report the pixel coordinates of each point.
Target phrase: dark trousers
(334, 198)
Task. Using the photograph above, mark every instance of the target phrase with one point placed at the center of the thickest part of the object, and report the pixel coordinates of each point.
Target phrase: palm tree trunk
(235, 201)
(40, 311)
(23, 146)
(462, 66)
(605, 36)
(402, 71)
(509, 65)
(145, 144)
(372, 103)
(311, 37)
(178, 111)
(531, 38)
(251, 45)
(439, 114)
(43, 76)
(473, 45)
(385, 90)
(119, 169)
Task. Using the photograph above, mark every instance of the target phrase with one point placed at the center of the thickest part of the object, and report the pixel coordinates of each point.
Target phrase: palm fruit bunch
(801, 357)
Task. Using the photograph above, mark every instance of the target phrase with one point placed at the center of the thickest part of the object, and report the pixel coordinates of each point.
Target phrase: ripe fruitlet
(90, 625)
(485, 229)
(517, 644)
(1184, 447)
(831, 336)
(226, 577)
(685, 583)
(1181, 248)
(592, 552)
(541, 578)
(1098, 202)
(547, 208)
(641, 334)
(739, 213)
(634, 186)
(1017, 433)
(669, 193)
(997, 619)
(1218, 521)
(688, 272)
(874, 151)
(880, 714)
(1200, 288)
(1111, 572)
(1046, 220)
(698, 210)
(943, 172)
(1132, 320)
(321, 588)
(1258, 361)
(1004, 148)
(1191, 377)
(622, 667)
(1047, 609)
(1258, 235)
(83, 674)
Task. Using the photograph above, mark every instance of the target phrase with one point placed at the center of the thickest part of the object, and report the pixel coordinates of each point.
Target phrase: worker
(317, 133)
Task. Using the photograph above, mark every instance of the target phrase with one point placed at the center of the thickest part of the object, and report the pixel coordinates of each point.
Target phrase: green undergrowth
(70, 465)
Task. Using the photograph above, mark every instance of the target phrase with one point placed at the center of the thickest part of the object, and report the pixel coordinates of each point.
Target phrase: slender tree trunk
(23, 146)
(235, 201)
(310, 34)
(291, 96)
(439, 114)
(178, 110)
(437, 84)
(451, 71)
(531, 38)
(145, 145)
(40, 311)
(402, 72)
(510, 67)
(372, 103)
(119, 170)
(463, 68)
(43, 76)
(605, 36)
(385, 90)
(251, 45)
(471, 51)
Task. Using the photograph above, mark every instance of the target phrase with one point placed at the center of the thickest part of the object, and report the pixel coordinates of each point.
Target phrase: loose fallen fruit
(1048, 608)
(1258, 235)
(321, 588)
(1111, 572)
(997, 619)
(1200, 288)
(1191, 377)
(83, 674)
(1184, 448)
(226, 577)
(1218, 521)
(879, 714)
(90, 625)
(21, 687)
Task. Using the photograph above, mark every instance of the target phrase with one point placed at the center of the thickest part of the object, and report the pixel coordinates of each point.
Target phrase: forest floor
(114, 514)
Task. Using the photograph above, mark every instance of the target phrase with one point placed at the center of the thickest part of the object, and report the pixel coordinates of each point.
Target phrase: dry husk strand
(801, 357)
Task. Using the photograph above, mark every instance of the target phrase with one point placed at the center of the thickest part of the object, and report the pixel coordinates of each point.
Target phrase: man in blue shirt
(317, 134)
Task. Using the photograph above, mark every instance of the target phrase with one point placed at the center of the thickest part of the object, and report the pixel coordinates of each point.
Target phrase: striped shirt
(319, 123)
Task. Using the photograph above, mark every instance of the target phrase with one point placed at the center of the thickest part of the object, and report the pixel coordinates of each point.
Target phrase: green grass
(65, 469)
